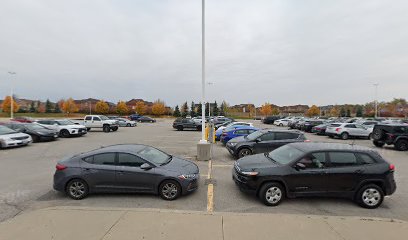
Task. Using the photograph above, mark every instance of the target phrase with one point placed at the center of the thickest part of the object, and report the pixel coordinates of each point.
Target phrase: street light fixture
(11, 97)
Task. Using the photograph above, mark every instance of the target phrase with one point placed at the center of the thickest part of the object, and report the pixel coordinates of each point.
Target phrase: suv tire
(244, 152)
(401, 145)
(106, 128)
(64, 133)
(272, 194)
(370, 196)
(378, 134)
(344, 136)
(378, 144)
(180, 128)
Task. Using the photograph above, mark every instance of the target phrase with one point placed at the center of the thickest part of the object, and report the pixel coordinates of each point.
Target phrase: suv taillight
(337, 129)
(60, 167)
(392, 167)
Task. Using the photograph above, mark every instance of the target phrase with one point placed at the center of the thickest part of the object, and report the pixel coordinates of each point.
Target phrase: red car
(23, 119)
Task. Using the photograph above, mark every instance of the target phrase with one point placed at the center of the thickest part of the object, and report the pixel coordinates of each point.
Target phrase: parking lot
(26, 177)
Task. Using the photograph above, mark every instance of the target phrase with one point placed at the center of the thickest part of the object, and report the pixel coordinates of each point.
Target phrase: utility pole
(11, 97)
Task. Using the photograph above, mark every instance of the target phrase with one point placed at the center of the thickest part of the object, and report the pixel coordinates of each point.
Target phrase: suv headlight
(232, 144)
(187, 176)
(250, 173)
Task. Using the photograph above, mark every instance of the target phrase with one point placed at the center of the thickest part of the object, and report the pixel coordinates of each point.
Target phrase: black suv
(391, 134)
(316, 169)
(308, 125)
(270, 119)
(183, 123)
(261, 141)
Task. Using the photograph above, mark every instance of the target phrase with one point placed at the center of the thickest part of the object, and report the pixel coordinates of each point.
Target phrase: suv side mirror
(146, 166)
(300, 166)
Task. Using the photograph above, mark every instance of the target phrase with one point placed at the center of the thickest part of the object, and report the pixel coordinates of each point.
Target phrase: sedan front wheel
(169, 190)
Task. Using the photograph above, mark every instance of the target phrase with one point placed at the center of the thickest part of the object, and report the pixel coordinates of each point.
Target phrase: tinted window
(251, 131)
(104, 159)
(340, 159)
(88, 118)
(283, 136)
(154, 155)
(335, 125)
(240, 132)
(268, 137)
(285, 154)
(401, 129)
(129, 160)
(350, 126)
(96, 119)
(366, 159)
(315, 160)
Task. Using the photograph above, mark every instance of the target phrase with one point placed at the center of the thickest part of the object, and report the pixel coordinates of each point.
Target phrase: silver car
(347, 130)
(12, 138)
(123, 122)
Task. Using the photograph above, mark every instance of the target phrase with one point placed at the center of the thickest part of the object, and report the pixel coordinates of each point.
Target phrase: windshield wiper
(269, 157)
(168, 160)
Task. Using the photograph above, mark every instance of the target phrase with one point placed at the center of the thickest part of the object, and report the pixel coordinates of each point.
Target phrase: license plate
(55, 135)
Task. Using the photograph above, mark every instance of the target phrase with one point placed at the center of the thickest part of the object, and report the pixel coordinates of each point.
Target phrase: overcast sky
(284, 51)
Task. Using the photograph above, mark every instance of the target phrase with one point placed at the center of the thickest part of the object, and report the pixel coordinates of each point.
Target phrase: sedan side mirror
(300, 166)
(146, 166)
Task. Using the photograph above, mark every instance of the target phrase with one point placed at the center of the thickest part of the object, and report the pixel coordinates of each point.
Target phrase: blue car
(237, 132)
(219, 131)
(135, 117)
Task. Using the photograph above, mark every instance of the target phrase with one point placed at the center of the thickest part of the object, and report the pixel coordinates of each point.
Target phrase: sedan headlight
(232, 144)
(187, 176)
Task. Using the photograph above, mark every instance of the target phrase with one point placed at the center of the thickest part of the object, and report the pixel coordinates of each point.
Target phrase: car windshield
(104, 117)
(285, 154)
(65, 122)
(154, 155)
(254, 135)
(5, 130)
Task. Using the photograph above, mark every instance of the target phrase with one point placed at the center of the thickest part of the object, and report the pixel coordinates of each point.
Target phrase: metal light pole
(375, 100)
(11, 97)
(203, 140)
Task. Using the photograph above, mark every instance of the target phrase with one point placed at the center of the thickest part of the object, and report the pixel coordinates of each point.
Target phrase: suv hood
(255, 162)
(181, 166)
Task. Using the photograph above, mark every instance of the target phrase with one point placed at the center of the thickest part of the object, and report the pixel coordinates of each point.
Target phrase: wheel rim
(344, 136)
(245, 152)
(77, 189)
(273, 195)
(403, 146)
(371, 197)
(169, 190)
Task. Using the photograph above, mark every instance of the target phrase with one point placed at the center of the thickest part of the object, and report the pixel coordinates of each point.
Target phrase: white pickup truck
(100, 121)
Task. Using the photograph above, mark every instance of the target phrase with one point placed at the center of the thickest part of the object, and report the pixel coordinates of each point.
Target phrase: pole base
(203, 151)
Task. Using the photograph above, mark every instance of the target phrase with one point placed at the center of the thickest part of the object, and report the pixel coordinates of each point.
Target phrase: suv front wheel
(271, 194)
(401, 145)
(370, 196)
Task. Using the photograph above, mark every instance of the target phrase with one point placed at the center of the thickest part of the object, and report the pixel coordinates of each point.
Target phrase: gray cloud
(284, 52)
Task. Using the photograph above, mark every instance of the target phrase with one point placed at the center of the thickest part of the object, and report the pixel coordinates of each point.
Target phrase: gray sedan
(126, 168)
(123, 122)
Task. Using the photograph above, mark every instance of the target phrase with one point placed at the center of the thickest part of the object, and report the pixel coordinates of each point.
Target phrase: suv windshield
(285, 154)
(254, 135)
(154, 155)
(5, 130)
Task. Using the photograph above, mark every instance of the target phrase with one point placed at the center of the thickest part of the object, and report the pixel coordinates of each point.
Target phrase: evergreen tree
(192, 111)
(199, 109)
(222, 107)
(184, 110)
(359, 111)
(215, 109)
(57, 108)
(48, 106)
(207, 109)
(32, 107)
(342, 112)
(348, 113)
(176, 112)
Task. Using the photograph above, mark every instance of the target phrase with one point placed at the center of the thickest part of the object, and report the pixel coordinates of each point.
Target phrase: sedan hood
(255, 162)
(181, 166)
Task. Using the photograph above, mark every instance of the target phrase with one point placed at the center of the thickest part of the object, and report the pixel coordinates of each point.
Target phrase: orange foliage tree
(6, 106)
(69, 106)
(158, 107)
(140, 108)
(102, 107)
(121, 108)
(266, 109)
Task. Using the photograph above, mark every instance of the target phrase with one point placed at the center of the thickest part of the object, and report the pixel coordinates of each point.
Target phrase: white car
(11, 138)
(282, 122)
(235, 124)
(65, 127)
(347, 130)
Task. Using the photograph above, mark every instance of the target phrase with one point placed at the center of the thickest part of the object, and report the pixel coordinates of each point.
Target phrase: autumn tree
(334, 112)
(275, 111)
(313, 111)
(140, 108)
(266, 109)
(102, 107)
(121, 108)
(6, 106)
(158, 108)
(69, 106)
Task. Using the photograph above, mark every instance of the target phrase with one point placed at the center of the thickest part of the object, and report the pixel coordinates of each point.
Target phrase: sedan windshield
(154, 155)
(6, 130)
(285, 154)
(254, 135)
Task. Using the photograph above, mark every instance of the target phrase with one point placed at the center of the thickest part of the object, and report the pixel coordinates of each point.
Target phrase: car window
(314, 160)
(88, 118)
(96, 119)
(185, 121)
(154, 155)
(251, 131)
(268, 136)
(342, 159)
(335, 125)
(350, 126)
(240, 132)
(283, 136)
(366, 159)
(401, 129)
(129, 160)
(104, 159)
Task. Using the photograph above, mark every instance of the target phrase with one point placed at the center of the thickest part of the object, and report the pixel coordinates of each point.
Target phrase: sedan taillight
(392, 167)
(60, 167)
